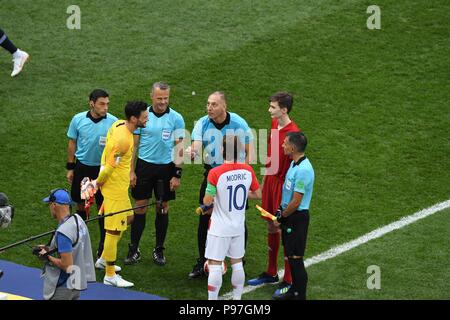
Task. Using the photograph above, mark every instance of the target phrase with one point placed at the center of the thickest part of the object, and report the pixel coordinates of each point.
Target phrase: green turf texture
(373, 103)
(412, 264)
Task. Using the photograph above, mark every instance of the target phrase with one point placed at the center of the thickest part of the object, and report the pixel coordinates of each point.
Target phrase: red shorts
(271, 194)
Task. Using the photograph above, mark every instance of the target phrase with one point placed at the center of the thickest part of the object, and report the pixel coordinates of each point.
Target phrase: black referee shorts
(81, 171)
(148, 175)
(295, 241)
(204, 184)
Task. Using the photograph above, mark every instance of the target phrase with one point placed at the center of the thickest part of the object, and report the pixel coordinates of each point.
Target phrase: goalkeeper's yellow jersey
(116, 162)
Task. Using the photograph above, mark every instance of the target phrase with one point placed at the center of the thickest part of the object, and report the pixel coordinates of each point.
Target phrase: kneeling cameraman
(69, 273)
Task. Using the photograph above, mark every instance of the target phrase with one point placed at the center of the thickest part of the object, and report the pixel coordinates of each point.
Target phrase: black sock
(202, 233)
(82, 214)
(137, 228)
(6, 43)
(101, 226)
(299, 277)
(161, 226)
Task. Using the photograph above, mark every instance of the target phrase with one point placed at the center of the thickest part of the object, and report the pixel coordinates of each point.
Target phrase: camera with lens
(6, 211)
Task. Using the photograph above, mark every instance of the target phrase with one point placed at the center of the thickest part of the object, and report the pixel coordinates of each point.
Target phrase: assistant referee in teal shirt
(87, 136)
(293, 215)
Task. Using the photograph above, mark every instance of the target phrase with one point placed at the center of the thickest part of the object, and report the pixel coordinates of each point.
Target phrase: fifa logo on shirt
(165, 134)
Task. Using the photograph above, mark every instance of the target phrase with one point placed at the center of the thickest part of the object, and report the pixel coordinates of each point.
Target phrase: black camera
(6, 211)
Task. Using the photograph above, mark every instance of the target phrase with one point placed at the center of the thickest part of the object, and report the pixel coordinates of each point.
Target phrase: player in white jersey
(229, 187)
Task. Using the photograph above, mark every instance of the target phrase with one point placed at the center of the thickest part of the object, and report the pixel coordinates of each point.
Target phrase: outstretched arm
(133, 178)
(71, 148)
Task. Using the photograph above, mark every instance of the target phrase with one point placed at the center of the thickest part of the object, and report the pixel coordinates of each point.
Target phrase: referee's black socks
(299, 277)
(161, 226)
(6, 43)
(137, 228)
(202, 233)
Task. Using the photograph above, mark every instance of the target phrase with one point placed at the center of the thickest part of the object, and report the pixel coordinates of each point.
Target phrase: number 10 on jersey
(233, 193)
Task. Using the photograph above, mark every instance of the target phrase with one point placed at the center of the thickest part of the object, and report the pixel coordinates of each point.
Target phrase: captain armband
(211, 190)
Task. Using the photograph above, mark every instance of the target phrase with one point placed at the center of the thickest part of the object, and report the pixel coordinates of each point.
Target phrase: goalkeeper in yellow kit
(114, 181)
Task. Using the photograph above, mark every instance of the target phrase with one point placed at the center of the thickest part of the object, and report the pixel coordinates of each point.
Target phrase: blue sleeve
(302, 179)
(179, 128)
(72, 133)
(137, 132)
(113, 117)
(64, 243)
(197, 134)
(248, 132)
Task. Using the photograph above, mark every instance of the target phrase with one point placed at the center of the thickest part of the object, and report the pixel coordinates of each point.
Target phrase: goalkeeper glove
(88, 188)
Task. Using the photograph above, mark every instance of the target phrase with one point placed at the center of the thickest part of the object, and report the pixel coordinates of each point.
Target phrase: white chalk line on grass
(377, 233)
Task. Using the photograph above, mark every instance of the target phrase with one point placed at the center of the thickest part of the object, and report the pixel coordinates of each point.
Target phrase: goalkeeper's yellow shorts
(117, 222)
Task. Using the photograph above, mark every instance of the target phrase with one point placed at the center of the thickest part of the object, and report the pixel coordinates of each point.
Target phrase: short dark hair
(298, 139)
(97, 93)
(231, 141)
(284, 99)
(134, 108)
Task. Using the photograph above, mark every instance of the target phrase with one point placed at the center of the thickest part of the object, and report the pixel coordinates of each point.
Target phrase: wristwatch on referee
(279, 214)
(70, 165)
(177, 171)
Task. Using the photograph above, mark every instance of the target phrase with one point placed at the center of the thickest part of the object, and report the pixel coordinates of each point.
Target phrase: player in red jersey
(277, 166)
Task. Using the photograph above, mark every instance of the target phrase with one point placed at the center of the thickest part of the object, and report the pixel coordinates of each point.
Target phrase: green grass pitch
(373, 103)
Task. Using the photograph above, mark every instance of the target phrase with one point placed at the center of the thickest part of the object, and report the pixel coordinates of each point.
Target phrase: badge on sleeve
(288, 184)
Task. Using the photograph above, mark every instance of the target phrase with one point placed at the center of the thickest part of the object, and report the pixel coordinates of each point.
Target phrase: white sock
(237, 280)
(214, 281)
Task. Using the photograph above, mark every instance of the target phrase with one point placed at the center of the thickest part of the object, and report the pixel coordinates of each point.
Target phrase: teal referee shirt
(157, 139)
(299, 178)
(90, 135)
(211, 135)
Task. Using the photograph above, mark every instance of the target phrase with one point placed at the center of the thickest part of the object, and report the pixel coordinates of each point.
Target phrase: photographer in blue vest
(73, 267)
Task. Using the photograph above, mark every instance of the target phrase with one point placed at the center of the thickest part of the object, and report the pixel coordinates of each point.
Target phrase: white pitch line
(335, 251)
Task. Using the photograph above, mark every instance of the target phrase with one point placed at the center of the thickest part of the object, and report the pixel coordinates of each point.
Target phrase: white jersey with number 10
(232, 181)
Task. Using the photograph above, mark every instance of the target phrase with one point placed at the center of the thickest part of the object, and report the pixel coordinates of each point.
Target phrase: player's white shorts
(217, 248)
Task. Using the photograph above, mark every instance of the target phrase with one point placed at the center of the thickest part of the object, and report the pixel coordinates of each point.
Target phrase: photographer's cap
(59, 196)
